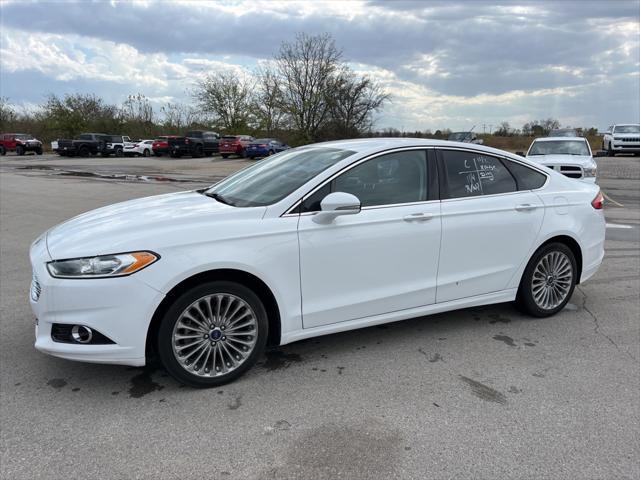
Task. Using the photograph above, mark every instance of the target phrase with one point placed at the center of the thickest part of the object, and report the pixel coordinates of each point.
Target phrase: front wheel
(224, 155)
(119, 152)
(19, 150)
(146, 153)
(610, 152)
(3, 151)
(548, 281)
(212, 334)
(39, 151)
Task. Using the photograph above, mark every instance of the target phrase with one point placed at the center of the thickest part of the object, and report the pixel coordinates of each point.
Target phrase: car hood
(551, 160)
(149, 223)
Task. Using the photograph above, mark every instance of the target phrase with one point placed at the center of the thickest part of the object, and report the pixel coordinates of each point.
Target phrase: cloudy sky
(445, 63)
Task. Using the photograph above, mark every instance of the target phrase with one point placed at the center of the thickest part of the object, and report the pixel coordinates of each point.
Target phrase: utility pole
(484, 128)
(490, 128)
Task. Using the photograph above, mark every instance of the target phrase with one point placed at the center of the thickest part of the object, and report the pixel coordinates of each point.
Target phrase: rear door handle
(525, 207)
(418, 217)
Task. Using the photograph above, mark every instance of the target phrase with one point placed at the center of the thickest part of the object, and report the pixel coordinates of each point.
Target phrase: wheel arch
(258, 286)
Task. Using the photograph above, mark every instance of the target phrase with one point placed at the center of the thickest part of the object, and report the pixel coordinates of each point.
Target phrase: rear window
(527, 178)
(194, 134)
(85, 137)
(263, 140)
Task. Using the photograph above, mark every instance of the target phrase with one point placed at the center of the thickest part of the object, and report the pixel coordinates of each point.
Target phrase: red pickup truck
(19, 143)
(234, 145)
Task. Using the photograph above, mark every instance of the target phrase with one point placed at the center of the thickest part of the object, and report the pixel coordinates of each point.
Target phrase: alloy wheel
(552, 280)
(214, 335)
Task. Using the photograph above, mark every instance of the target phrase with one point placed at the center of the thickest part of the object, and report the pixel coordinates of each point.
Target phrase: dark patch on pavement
(497, 318)
(277, 359)
(436, 357)
(513, 389)
(340, 369)
(76, 389)
(57, 383)
(282, 425)
(17, 384)
(504, 338)
(115, 393)
(142, 384)
(538, 374)
(436, 405)
(484, 392)
(529, 344)
(235, 402)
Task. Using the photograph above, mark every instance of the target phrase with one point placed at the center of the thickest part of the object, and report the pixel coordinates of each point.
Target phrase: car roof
(626, 125)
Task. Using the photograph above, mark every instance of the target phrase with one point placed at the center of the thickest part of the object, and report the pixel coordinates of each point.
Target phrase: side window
(386, 180)
(469, 174)
(527, 178)
(312, 202)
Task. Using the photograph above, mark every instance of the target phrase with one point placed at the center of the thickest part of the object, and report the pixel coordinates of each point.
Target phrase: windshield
(24, 136)
(560, 147)
(460, 136)
(627, 129)
(270, 180)
(563, 133)
(194, 134)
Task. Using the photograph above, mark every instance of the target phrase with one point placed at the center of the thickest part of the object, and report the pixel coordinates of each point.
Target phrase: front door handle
(525, 207)
(418, 217)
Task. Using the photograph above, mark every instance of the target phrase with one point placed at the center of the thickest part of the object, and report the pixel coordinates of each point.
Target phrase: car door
(488, 224)
(382, 259)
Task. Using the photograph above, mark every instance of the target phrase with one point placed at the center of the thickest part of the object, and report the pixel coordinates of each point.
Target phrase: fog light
(81, 334)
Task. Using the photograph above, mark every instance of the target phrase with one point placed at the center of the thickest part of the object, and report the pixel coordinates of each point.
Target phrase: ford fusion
(311, 241)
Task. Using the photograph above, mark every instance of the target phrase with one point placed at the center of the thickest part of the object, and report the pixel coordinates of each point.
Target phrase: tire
(104, 154)
(3, 151)
(243, 153)
(271, 152)
(224, 155)
(84, 151)
(157, 154)
(539, 279)
(119, 152)
(39, 151)
(20, 150)
(198, 153)
(146, 152)
(197, 367)
(610, 152)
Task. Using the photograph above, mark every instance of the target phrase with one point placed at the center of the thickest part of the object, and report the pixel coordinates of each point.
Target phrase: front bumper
(119, 308)
(618, 146)
(257, 152)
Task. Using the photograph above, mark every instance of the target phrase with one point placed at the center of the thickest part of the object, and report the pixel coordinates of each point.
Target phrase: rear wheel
(3, 151)
(212, 334)
(119, 152)
(548, 281)
(198, 152)
(84, 151)
(224, 155)
(146, 152)
(39, 151)
(19, 150)
(157, 154)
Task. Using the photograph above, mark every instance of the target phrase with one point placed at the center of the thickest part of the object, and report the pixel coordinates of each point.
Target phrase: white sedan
(570, 156)
(312, 241)
(141, 147)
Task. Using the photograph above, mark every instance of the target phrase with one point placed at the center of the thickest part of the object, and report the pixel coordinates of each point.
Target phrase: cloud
(442, 61)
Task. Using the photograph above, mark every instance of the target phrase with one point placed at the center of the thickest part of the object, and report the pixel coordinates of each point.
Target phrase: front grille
(36, 288)
(632, 139)
(570, 171)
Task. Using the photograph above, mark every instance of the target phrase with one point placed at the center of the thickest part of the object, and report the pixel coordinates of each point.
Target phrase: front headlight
(590, 171)
(117, 265)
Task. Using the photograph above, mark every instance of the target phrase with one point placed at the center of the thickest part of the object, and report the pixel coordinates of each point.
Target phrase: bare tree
(227, 97)
(268, 102)
(178, 116)
(7, 113)
(137, 109)
(304, 70)
(352, 102)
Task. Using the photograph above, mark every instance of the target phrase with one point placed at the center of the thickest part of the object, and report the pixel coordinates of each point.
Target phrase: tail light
(598, 201)
(186, 140)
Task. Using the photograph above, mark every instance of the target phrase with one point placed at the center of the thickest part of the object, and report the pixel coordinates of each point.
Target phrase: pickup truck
(83, 145)
(115, 144)
(196, 143)
(465, 137)
(622, 138)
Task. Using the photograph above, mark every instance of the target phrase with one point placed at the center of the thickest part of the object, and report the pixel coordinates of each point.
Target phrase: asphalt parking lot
(482, 393)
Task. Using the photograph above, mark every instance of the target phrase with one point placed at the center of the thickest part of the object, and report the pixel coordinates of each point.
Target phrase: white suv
(622, 138)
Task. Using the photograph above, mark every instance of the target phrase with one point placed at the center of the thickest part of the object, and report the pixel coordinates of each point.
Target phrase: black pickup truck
(196, 143)
(84, 145)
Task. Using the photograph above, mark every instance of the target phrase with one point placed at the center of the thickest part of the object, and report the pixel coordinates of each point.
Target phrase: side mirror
(336, 204)
(521, 154)
(478, 141)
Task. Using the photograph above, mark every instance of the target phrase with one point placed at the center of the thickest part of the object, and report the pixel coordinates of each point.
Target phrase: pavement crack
(596, 327)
